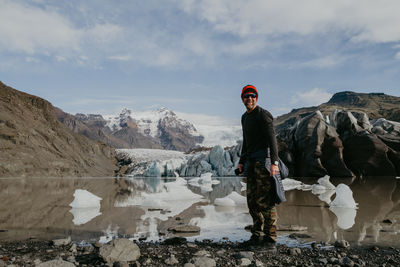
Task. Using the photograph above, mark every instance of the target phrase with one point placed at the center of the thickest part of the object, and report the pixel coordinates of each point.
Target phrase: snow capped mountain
(156, 129)
(162, 126)
(148, 122)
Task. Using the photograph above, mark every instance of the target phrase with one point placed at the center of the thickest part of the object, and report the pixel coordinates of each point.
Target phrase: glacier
(169, 163)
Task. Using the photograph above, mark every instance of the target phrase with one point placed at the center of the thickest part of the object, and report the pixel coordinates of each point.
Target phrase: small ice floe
(290, 184)
(344, 206)
(324, 189)
(244, 186)
(205, 182)
(231, 200)
(85, 206)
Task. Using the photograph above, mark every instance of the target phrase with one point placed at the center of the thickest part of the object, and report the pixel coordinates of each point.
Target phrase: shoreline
(178, 252)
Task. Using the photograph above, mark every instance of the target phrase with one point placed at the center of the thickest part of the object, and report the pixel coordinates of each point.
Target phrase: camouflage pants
(259, 200)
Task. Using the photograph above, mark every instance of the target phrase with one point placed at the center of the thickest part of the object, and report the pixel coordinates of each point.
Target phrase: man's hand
(274, 169)
(240, 167)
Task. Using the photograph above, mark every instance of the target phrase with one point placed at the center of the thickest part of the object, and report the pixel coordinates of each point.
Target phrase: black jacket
(258, 134)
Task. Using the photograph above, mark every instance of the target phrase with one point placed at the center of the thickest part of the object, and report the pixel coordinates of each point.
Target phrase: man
(258, 139)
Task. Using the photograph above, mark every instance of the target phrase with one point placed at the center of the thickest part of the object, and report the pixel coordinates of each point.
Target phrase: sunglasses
(250, 95)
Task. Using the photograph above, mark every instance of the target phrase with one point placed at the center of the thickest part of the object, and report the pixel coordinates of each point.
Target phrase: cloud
(362, 20)
(321, 62)
(27, 29)
(187, 34)
(314, 97)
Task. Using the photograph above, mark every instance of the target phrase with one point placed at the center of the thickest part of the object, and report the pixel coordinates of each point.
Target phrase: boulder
(120, 250)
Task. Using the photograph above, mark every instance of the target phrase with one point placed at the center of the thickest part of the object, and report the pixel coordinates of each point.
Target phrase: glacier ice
(85, 206)
(233, 199)
(290, 184)
(344, 197)
(344, 206)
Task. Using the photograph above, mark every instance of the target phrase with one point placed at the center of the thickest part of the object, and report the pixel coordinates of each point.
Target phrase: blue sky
(194, 56)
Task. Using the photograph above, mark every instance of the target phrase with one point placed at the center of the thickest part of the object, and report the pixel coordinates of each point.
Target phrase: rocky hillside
(160, 129)
(374, 105)
(34, 143)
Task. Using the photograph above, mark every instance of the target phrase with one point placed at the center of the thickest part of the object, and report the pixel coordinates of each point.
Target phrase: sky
(194, 56)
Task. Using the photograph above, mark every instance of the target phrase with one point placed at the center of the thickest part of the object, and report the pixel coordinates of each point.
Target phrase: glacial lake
(148, 209)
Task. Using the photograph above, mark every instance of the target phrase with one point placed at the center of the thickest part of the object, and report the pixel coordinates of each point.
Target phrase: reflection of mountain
(40, 207)
(378, 199)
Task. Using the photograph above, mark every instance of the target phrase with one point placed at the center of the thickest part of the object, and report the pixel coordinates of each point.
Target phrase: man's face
(250, 101)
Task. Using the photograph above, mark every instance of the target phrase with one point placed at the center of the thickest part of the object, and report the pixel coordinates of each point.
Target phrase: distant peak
(166, 111)
(126, 111)
(346, 98)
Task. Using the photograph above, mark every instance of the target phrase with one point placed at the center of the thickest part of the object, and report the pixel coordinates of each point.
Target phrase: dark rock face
(94, 127)
(367, 155)
(317, 148)
(34, 143)
(374, 105)
(176, 135)
(353, 133)
(342, 145)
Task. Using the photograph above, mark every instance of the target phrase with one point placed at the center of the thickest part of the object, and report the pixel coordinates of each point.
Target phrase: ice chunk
(344, 197)
(344, 206)
(346, 216)
(324, 181)
(317, 189)
(244, 186)
(85, 206)
(225, 201)
(324, 189)
(205, 178)
(233, 199)
(85, 199)
(290, 184)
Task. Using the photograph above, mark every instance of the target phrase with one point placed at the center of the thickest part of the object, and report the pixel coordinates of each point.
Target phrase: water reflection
(148, 208)
(376, 219)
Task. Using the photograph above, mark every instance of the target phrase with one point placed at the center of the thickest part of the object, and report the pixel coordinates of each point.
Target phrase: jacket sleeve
(244, 146)
(269, 132)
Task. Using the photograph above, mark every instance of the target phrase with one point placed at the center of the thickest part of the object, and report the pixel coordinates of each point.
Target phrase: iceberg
(344, 197)
(344, 207)
(231, 200)
(324, 189)
(290, 184)
(85, 206)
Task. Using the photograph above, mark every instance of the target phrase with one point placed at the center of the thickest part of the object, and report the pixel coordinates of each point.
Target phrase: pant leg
(260, 202)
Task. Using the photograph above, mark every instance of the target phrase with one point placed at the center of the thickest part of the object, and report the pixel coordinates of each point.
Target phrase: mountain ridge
(34, 143)
(375, 105)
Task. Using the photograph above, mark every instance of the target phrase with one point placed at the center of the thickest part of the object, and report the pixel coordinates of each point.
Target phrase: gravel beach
(179, 252)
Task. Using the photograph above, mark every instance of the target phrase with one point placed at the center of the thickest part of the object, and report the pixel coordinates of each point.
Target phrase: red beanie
(249, 89)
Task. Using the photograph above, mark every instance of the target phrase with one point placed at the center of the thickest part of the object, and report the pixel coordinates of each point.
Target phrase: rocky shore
(178, 252)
